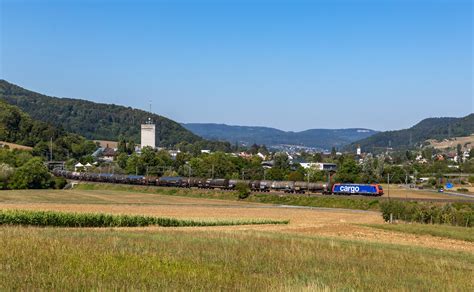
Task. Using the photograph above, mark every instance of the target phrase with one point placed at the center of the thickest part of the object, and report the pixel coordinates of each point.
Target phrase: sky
(293, 65)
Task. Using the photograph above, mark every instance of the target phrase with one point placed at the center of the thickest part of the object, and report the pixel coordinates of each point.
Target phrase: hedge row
(59, 219)
(457, 214)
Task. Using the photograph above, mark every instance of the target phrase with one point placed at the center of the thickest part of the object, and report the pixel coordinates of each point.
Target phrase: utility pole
(388, 189)
(51, 149)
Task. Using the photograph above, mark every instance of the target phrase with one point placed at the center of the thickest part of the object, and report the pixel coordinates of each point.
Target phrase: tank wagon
(290, 187)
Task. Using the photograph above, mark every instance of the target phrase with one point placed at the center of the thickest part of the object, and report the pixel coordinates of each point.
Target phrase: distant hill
(317, 138)
(431, 128)
(92, 120)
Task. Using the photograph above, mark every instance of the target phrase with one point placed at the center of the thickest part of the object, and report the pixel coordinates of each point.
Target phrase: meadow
(319, 248)
(65, 259)
(446, 231)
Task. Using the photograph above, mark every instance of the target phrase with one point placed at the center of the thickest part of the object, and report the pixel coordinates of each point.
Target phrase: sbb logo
(349, 189)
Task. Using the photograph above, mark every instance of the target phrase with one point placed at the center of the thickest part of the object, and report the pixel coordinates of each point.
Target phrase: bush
(243, 190)
(6, 173)
(458, 214)
(471, 179)
(59, 182)
(463, 190)
(32, 175)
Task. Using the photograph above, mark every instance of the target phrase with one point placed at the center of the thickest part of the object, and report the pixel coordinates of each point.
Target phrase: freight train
(295, 187)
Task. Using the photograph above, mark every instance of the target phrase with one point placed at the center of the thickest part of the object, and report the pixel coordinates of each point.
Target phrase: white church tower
(148, 134)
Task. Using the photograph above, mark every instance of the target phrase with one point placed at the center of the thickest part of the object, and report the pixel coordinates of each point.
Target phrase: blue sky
(293, 65)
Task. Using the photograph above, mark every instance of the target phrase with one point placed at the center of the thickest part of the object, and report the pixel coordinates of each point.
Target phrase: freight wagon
(298, 187)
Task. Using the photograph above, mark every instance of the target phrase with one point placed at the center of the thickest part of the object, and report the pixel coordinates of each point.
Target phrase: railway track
(382, 198)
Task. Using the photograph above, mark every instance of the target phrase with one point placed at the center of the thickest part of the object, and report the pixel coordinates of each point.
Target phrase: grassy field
(320, 248)
(65, 259)
(446, 231)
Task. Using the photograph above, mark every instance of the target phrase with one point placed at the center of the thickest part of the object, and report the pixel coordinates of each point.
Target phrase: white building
(148, 134)
(319, 166)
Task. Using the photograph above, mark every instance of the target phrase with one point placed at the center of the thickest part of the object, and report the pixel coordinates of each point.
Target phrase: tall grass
(59, 219)
(446, 231)
(185, 259)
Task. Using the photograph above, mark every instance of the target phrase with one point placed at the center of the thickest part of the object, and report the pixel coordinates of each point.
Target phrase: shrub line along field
(320, 248)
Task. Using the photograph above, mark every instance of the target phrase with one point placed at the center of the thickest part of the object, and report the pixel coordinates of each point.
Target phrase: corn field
(60, 219)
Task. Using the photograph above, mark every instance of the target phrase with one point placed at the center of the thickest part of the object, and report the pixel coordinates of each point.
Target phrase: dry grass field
(320, 248)
(15, 146)
(453, 142)
(397, 191)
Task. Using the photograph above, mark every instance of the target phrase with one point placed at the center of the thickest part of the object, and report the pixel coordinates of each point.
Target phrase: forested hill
(18, 127)
(93, 120)
(431, 128)
(318, 138)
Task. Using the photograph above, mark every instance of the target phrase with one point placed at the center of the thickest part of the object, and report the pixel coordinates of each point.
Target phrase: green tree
(409, 155)
(317, 157)
(135, 165)
(428, 153)
(253, 149)
(275, 174)
(295, 176)
(32, 175)
(130, 146)
(122, 145)
(397, 174)
(263, 149)
(459, 152)
(243, 190)
(333, 152)
(6, 171)
(122, 159)
(348, 171)
(281, 161)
